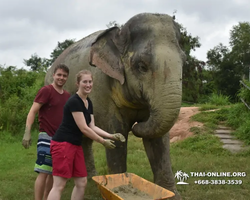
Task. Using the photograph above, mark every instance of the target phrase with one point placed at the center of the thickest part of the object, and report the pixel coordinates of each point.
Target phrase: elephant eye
(142, 67)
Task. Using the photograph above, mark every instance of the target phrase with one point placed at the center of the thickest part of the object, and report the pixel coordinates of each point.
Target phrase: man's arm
(29, 121)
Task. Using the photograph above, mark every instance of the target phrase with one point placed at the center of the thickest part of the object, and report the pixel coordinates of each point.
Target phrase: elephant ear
(105, 55)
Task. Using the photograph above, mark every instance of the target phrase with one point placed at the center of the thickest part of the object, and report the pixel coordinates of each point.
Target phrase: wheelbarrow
(109, 184)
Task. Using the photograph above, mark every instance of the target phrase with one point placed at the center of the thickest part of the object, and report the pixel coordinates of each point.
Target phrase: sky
(36, 26)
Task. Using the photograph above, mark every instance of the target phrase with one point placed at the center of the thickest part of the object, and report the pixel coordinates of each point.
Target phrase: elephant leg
(117, 158)
(157, 150)
(88, 156)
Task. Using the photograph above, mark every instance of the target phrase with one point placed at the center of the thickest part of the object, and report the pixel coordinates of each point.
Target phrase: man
(49, 102)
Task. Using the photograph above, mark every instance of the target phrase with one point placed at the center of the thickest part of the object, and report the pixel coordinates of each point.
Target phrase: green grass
(202, 152)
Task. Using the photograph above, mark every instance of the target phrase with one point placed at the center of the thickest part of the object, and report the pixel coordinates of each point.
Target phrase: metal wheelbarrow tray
(107, 183)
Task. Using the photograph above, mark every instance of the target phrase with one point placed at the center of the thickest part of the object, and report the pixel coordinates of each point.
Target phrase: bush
(17, 91)
(219, 99)
(239, 119)
(244, 93)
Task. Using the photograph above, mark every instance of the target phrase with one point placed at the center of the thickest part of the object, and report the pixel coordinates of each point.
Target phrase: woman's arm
(99, 131)
(81, 123)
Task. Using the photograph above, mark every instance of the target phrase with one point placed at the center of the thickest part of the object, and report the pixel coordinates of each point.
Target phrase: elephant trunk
(162, 114)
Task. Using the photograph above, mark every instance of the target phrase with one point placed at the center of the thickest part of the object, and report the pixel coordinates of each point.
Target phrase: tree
(61, 46)
(223, 69)
(188, 42)
(37, 63)
(229, 66)
(192, 69)
(17, 90)
(240, 43)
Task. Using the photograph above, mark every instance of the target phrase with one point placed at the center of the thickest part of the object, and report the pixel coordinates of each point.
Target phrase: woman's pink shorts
(67, 160)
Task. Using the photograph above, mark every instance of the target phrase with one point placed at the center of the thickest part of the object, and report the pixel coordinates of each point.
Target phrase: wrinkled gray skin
(137, 73)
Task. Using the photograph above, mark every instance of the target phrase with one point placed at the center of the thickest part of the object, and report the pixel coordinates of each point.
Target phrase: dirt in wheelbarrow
(128, 192)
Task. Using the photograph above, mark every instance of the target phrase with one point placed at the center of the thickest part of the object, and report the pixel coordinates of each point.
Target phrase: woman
(66, 150)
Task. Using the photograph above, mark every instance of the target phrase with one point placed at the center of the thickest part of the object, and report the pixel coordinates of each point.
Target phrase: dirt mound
(181, 128)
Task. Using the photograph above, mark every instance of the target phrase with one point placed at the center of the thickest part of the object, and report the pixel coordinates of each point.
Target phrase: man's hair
(63, 67)
(80, 73)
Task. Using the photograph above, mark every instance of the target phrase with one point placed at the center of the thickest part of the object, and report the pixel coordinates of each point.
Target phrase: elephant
(137, 74)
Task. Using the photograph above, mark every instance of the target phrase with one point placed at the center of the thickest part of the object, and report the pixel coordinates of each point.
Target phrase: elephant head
(146, 59)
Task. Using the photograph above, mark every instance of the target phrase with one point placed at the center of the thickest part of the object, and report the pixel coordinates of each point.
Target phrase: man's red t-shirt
(51, 113)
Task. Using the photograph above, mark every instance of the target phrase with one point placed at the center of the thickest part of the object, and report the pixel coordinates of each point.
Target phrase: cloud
(35, 26)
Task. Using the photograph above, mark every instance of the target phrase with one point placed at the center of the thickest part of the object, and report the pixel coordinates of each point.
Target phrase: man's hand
(26, 139)
(119, 137)
(108, 144)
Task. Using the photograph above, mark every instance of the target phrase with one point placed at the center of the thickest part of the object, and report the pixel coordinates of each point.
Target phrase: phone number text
(218, 182)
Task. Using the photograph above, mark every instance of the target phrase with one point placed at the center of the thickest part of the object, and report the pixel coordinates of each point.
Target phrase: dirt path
(181, 128)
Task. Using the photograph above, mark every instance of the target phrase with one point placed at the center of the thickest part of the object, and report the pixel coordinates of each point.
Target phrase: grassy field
(202, 152)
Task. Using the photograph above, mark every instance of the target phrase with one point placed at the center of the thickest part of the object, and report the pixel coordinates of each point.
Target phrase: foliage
(61, 46)
(208, 84)
(240, 43)
(216, 55)
(212, 118)
(36, 63)
(243, 132)
(240, 114)
(239, 119)
(244, 92)
(192, 79)
(219, 99)
(188, 42)
(226, 75)
(213, 100)
(18, 88)
(192, 69)
(229, 66)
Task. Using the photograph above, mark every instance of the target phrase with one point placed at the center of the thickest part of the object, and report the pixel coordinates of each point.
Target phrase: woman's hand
(108, 144)
(119, 137)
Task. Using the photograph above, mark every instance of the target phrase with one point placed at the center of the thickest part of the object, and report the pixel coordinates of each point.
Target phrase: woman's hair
(80, 73)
